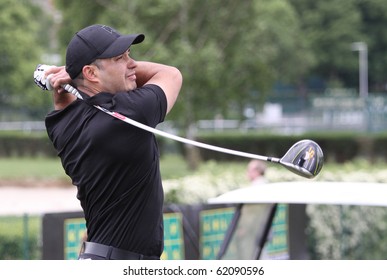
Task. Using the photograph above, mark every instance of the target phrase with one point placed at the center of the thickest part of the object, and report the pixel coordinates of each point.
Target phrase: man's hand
(50, 77)
(41, 78)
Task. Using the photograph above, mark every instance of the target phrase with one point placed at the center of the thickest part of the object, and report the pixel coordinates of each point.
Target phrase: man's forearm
(62, 100)
(145, 71)
(168, 78)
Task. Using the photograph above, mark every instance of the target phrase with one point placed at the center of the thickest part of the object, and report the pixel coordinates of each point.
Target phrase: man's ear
(90, 72)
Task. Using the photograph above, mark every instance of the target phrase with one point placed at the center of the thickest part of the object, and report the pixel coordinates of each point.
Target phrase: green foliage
(23, 144)
(374, 18)
(21, 48)
(173, 166)
(347, 232)
(330, 27)
(72, 22)
(225, 49)
(20, 237)
(230, 52)
(338, 147)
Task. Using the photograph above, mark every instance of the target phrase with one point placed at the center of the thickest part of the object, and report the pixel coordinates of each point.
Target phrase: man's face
(117, 74)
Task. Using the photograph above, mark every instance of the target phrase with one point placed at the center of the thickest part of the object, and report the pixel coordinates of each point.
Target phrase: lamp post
(361, 47)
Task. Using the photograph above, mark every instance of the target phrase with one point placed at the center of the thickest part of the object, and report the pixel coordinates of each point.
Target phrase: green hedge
(20, 238)
(337, 147)
(20, 144)
(16, 248)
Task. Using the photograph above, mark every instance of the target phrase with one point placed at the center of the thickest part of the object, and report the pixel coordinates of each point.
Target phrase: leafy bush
(21, 144)
(338, 147)
(20, 238)
(347, 232)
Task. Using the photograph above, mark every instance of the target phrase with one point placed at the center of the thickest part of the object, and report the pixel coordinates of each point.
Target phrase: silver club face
(304, 158)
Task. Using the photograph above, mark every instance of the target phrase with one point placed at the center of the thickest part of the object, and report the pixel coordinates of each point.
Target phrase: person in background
(256, 172)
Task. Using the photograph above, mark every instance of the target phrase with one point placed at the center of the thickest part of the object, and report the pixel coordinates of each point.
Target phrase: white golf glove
(40, 78)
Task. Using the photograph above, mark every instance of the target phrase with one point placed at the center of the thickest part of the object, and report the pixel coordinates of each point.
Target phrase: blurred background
(258, 76)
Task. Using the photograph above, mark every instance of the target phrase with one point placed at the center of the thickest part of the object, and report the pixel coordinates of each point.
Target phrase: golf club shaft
(75, 92)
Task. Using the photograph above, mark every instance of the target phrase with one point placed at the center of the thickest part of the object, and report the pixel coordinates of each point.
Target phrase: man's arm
(168, 78)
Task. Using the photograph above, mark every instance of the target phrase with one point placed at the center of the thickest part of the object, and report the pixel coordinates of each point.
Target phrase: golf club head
(304, 158)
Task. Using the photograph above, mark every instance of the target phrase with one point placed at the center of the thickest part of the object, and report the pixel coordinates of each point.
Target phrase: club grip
(69, 88)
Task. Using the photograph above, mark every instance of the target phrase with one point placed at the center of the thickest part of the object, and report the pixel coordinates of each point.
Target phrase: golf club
(304, 158)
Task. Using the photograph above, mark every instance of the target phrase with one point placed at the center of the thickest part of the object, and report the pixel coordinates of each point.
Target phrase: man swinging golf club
(114, 166)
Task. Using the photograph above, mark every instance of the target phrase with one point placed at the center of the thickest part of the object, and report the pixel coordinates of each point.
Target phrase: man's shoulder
(145, 93)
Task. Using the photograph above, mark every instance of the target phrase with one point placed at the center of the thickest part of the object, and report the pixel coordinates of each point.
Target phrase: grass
(18, 225)
(172, 167)
(36, 168)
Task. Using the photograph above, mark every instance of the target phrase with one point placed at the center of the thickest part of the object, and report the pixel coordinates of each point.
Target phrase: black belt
(112, 253)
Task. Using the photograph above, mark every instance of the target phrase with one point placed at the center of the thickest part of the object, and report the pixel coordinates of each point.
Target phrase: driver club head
(304, 158)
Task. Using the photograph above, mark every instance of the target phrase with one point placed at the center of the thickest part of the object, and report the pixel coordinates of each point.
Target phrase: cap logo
(108, 29)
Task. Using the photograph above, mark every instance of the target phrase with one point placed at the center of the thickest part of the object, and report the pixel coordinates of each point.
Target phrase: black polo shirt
(115, 166)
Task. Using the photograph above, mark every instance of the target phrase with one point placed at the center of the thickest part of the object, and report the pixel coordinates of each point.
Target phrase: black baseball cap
(96, 41)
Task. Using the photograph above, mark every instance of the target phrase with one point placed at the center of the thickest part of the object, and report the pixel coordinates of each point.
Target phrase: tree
(228, 50)
(20, 51)
(374, 18)
(76, 15)
(329, 27)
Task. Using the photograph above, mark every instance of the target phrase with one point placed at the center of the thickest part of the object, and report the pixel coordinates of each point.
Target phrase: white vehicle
(251, 226)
